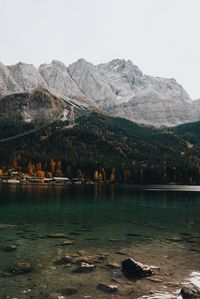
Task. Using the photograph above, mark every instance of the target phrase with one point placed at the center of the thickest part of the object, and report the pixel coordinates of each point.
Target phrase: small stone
(102, 258)
(21, 268)
(175, 239)
(154, 267)
(107, 288)
(133, 235)
(85, 268)
(67, 242)
(120, 253)
(11, 248)
(56, 235)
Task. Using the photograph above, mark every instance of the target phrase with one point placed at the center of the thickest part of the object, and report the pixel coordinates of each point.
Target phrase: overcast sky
(162, 37)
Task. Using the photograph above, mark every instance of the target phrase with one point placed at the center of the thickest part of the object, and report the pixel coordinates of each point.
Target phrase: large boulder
(131, 268)
(190, 292)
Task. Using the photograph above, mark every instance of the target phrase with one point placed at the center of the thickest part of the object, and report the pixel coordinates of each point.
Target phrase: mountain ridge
(118, 87)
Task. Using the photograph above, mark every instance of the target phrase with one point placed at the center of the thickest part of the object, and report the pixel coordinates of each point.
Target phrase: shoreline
(147, 187)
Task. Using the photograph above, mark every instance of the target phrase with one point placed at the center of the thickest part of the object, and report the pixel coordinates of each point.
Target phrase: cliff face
(118, 87)
(36, 106)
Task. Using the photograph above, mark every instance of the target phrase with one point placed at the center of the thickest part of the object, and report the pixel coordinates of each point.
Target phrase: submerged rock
(67, 242)
(175, 239)
(190, 292)
(68, 291)
(2, 225)
(64, 260)
(56, 296)
(56, 235)
(11, 248)
(131, 268)
(107, 288)
(120, 252)
(133, 235)
(114, 240)
(21, 268)
(85, 268)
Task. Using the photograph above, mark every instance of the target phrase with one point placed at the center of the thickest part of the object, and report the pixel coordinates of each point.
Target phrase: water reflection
(155, 227)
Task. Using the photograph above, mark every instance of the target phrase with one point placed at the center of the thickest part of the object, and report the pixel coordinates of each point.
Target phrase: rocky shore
(118, 275)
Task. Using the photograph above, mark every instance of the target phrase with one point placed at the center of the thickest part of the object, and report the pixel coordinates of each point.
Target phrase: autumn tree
(58, 169)
(113, 176)
(96, 176)
(52, 166)
(38, 166)
(31, 168)
(100, 177)
(49, 174)
(40, 174)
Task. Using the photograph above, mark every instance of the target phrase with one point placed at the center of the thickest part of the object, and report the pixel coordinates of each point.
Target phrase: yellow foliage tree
(52, 166)
(31, 168)
(113, 176)
(40, 174)
(59, 169)
(96, 176)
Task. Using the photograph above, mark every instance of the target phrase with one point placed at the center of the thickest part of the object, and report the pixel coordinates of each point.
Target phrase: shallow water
(152, 225)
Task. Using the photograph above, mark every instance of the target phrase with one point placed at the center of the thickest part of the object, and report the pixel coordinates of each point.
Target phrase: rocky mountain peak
(26, 76)
(7, 82)
(91, 82)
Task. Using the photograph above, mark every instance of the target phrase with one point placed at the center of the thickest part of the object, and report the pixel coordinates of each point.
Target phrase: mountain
(134, 153)
(38, 105)
(121, 88)
(118, 87)
(26, 76)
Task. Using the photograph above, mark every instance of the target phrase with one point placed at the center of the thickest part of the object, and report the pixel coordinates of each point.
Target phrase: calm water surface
(153, 226)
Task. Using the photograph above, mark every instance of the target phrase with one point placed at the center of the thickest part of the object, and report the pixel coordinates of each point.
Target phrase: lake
(103, 225)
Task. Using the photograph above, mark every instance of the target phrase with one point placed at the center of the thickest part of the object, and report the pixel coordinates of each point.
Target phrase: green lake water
(155, 227)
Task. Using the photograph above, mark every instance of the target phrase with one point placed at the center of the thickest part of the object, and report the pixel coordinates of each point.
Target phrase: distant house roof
(60, 179)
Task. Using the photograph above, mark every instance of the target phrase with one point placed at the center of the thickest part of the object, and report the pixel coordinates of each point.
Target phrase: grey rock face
(92, 83)
(7, 82)
(26, 76)
(58, 79)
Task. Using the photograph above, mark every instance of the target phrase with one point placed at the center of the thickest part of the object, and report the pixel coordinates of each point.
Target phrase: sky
(160, 36)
